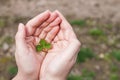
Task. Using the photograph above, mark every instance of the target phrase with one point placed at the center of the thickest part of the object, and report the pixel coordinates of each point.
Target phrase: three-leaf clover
(43, 46)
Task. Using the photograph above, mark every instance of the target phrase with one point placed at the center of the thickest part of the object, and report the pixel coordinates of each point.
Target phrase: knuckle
(45, 24)
(46, 30)
(59, 19)
(48, 22)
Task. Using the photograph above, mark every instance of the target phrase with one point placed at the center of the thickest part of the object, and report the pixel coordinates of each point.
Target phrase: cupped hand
(28, 36)
(61, 58)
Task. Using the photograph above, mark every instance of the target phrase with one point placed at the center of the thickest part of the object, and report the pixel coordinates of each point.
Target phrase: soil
(99, 12)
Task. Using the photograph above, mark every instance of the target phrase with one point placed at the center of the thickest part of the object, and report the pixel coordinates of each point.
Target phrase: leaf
(43, 46)
(84, 54)
(42, 42)
(115, 54)
(12, 70)
(48, 46)
(39, 48)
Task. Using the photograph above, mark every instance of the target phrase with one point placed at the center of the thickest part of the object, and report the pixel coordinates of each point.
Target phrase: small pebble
(101, 56)
(5, 47)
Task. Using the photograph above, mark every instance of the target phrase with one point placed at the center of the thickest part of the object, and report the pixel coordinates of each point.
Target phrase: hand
(28, 60)
(61, 58)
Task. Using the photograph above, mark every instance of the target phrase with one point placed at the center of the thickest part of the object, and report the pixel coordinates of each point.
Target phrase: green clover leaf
(43, 46)
(42, 42)
(47, 46)
(39, 48)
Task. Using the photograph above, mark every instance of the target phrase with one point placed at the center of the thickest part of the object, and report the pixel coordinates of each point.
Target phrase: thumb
(20, 37)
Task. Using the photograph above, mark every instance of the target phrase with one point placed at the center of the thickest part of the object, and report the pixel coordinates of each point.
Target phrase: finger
(20, 37)
(37, 40)
(36, 22)
(66, 28)
(49, 28)
(56, 38)
(61, 35)
(51, 35)
(64, 24)
(53, 16)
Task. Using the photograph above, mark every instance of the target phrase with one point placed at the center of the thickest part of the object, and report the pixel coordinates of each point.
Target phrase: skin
(61, 58)
(57, 63)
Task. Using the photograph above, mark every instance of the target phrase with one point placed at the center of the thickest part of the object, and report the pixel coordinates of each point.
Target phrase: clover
(43, 46)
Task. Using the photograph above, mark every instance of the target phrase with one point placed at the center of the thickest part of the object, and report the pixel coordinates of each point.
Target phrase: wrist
(52, 78)
(20, 76)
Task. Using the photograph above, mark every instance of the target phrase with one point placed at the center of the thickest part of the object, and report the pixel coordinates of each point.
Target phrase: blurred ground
(107, 10)
(96, 23)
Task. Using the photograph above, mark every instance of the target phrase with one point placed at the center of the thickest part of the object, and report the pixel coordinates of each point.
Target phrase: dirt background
(107, 10)
(102, 14)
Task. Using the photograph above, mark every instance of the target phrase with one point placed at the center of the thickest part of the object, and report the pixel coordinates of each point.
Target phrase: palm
(27, 59)
(64, 45)
(60, 56)
(36, 31)
(53, 56)
(46, 26)
(31, 44)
